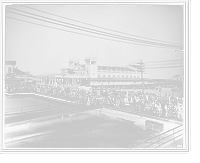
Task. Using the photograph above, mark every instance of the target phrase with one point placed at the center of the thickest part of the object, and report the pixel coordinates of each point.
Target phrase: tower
(73, 63)
(91, 66)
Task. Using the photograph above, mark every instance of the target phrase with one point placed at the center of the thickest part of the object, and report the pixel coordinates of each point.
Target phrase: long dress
(92, 101)
(97, 101)
(131, 101)
(88, 101)
(84, 100)
(117, 104)
(171, 113)
(126, 102)
(100, 100)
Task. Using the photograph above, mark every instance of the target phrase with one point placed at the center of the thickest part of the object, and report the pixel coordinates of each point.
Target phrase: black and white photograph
(95, 77)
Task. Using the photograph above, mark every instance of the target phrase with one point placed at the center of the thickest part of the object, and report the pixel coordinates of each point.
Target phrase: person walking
(158, 108)
(166, 108)
(180, 108)
(84, 99)
(118, 102)
(97, 101)
(139, 105)
(88, 101)
(172, 112)
(148, 106)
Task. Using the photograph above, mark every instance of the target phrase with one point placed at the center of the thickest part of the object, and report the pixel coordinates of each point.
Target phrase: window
(113, 76)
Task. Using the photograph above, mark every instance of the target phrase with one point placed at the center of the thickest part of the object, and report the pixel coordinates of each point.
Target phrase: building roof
(10, 62)
(116, 79)
(115, 68)
(19, 72)
(14, 79)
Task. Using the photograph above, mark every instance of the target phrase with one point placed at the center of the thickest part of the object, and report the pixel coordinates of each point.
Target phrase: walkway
(41, 114)
(70, 110)
(31, 116)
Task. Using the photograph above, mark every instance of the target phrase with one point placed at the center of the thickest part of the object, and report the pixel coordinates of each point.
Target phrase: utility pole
(141, 70)
(63, 75)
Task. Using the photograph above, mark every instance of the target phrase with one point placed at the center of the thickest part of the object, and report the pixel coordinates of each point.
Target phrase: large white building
(91, 74)
(98, 75)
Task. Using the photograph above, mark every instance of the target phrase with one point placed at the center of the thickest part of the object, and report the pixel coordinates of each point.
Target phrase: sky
(40, 49)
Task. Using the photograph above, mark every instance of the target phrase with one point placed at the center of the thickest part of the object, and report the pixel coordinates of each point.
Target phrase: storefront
(14, 82)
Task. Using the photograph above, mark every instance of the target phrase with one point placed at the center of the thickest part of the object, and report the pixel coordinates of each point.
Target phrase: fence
(33, 108)
(162, 140)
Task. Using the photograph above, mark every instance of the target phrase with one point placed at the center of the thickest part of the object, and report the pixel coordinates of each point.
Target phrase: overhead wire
(77, 32)
(90, 30)
(134, 25)
(161, 61)
(97, 26)
(163, 64)
(175, 63)
(86, 30)
(164, 67)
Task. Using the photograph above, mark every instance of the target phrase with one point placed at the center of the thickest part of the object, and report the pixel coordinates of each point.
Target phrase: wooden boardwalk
(154, 116)
(28, 117)
(31, 116)
(35, 115)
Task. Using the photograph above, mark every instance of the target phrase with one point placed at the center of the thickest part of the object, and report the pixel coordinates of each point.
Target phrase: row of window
(115, 81)
(118, 76)
(112, 71)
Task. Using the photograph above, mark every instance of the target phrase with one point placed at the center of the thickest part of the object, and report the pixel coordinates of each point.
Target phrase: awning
(14, 80)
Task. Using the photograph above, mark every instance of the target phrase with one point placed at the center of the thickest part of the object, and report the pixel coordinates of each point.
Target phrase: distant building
(91, 74)
(178, 77)
(9, 66)
(72, 76)
(101, 75)
(15, 76)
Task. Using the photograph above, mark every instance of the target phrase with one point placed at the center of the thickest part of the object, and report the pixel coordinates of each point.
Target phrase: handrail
(157, 136)
(37, 107)
(163, 138)
(168, 141)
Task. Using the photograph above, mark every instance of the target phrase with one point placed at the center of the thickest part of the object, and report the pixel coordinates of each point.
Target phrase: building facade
(90, 74)
(10, 67)
(100, 75)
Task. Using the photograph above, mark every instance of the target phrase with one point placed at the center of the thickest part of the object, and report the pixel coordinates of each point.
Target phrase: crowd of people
(14, 88)
(147, 101)
(170, 107)
(174, 107)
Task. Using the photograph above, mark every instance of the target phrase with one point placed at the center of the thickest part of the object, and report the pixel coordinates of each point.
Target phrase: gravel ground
(87, 130)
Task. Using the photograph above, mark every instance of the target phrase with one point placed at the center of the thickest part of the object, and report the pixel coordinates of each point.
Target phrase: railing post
(159, 138)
